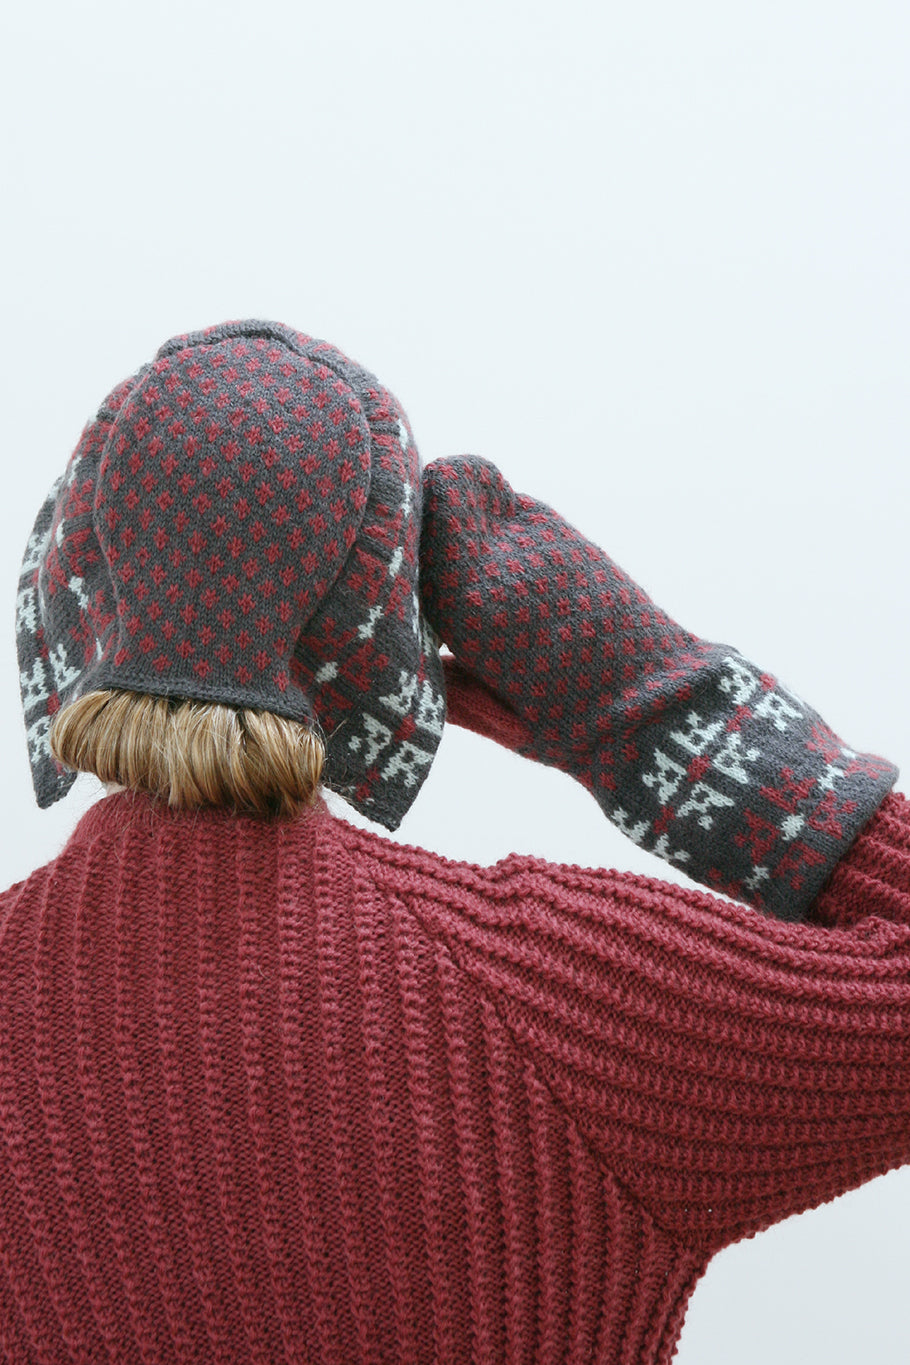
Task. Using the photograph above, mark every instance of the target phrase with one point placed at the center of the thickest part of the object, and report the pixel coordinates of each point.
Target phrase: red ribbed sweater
(294, 1092)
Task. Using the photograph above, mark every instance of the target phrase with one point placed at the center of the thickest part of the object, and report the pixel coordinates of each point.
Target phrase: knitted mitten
(692, 751)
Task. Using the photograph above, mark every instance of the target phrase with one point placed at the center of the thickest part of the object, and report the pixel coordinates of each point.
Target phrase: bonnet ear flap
(39, 671)
(64, 607)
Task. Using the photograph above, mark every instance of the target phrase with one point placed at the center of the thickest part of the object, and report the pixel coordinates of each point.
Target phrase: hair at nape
(192, 754)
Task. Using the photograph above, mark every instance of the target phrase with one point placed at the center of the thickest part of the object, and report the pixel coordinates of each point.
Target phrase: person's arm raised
(695, 753)
(727, 1068)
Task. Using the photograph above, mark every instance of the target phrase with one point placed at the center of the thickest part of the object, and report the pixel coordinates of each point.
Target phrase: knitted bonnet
(240, 523)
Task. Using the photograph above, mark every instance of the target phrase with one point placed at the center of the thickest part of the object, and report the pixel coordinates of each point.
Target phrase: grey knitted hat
(240, 523)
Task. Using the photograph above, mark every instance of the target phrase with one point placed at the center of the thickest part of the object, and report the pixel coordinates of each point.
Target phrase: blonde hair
(192, 754)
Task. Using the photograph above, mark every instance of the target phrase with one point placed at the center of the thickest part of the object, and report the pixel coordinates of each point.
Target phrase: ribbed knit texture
(294, 1092)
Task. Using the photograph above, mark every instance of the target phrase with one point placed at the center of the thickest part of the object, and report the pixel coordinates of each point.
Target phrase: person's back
(296, 1092)
(257, 1109)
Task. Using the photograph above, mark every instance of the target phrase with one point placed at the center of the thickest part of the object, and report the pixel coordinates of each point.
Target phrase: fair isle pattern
(43, 672)
(692, 751)
(241, 524)
(290, 1092)
(64, 603)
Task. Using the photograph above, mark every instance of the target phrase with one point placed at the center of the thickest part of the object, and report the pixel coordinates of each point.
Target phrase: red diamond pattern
(174, 470)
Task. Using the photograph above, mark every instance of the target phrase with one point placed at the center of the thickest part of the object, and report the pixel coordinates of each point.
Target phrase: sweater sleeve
(728, 1069)
(874, 878)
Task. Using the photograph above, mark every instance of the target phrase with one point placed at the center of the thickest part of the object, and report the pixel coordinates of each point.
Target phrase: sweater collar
(107, 817)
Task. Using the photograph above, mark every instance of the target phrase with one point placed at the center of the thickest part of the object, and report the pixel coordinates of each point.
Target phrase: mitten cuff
(742, 785)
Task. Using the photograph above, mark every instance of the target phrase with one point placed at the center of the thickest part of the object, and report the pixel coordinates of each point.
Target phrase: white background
(650, 258)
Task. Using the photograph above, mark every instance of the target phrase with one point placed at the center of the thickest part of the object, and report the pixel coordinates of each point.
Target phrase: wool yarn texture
(246, 520)
(240, 523)
(695, 753)
(292, 1092)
